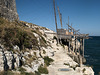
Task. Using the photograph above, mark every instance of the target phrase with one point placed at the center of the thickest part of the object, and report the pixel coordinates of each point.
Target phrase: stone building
(8, 10)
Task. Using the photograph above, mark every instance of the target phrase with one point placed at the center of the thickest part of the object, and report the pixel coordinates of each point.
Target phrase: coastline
(31, 59)
(64, 61)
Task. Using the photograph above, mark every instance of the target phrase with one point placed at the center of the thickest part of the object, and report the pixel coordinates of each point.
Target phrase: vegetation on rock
(43, 70)
(12, 33)
(48, 60)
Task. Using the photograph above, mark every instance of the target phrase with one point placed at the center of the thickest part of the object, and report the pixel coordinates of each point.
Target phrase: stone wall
(8, 10)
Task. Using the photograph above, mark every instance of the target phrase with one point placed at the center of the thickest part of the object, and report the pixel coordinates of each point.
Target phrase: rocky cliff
(8, 10)
(29, 49)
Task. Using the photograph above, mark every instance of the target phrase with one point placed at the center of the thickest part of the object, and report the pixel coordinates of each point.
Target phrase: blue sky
(83, 14)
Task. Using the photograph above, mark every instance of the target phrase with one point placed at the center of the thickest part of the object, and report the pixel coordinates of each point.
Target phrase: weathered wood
(80, 60)
(69, 47)
(55, 14)
(71, 26)
(64, 37)
(75, 44)
(68, 23)
(55, 19)
(83, 47)
(60, 16)
(68, 34)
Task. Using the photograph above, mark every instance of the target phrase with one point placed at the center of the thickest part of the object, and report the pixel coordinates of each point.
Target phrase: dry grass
(14, 33)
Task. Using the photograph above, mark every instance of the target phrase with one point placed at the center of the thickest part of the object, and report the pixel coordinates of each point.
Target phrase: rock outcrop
(38, 57)
(8, 10)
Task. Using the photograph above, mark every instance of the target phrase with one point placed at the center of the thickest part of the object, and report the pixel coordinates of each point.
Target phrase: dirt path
(60, 58)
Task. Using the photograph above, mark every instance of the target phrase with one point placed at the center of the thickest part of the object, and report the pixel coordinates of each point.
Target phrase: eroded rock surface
(8, 10)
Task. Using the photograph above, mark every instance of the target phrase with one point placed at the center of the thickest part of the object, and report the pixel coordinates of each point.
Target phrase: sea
(92, 53)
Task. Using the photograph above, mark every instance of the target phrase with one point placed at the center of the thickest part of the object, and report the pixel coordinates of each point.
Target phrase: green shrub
(14, 73)
(43, 70)
(47, 60)
(1, 21)
(84, 70)
(73, 67)
(37, 73)
(6, 73)
(44, 51)
(22, 70)
(9, 73)
(26, 73)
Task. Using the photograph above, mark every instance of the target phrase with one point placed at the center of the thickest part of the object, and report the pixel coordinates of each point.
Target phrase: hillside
(29, 49)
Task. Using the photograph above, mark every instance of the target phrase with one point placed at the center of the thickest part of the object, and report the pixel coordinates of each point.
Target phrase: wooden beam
(55, 14)
(71, 26)
(80, 60)
(55, 20)
(69, 47)
(75, 44)
(60, 16)
(77, 33)
(83, 47)
(68, 23)
(77, 30)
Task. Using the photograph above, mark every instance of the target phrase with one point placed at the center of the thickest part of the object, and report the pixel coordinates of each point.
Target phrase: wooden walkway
(68, 35)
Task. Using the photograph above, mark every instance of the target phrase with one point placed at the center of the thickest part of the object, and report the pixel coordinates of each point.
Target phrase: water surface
(92, 53)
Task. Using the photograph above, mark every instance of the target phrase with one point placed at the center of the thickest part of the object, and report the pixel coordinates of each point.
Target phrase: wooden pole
(75, 44)
(71, 26)
(55, 20)
(80, 60)
(81, 44)
(69, 47)
(74, 31)
(60, 16)
(55, 14)
(68, 23)
(83, 47)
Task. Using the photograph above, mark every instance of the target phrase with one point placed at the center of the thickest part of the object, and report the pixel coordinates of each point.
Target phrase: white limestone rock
(16, 47)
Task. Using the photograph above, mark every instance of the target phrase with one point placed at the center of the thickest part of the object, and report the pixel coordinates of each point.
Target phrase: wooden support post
(69, 47)
(57, 40)
(71, 26)
(80, 60)
(75, 44)
(55, 20)
(79, 50)
(83, 47)
(55, 14)
(81, 44)
(73, 49)
(60, 41)
(60, 16)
